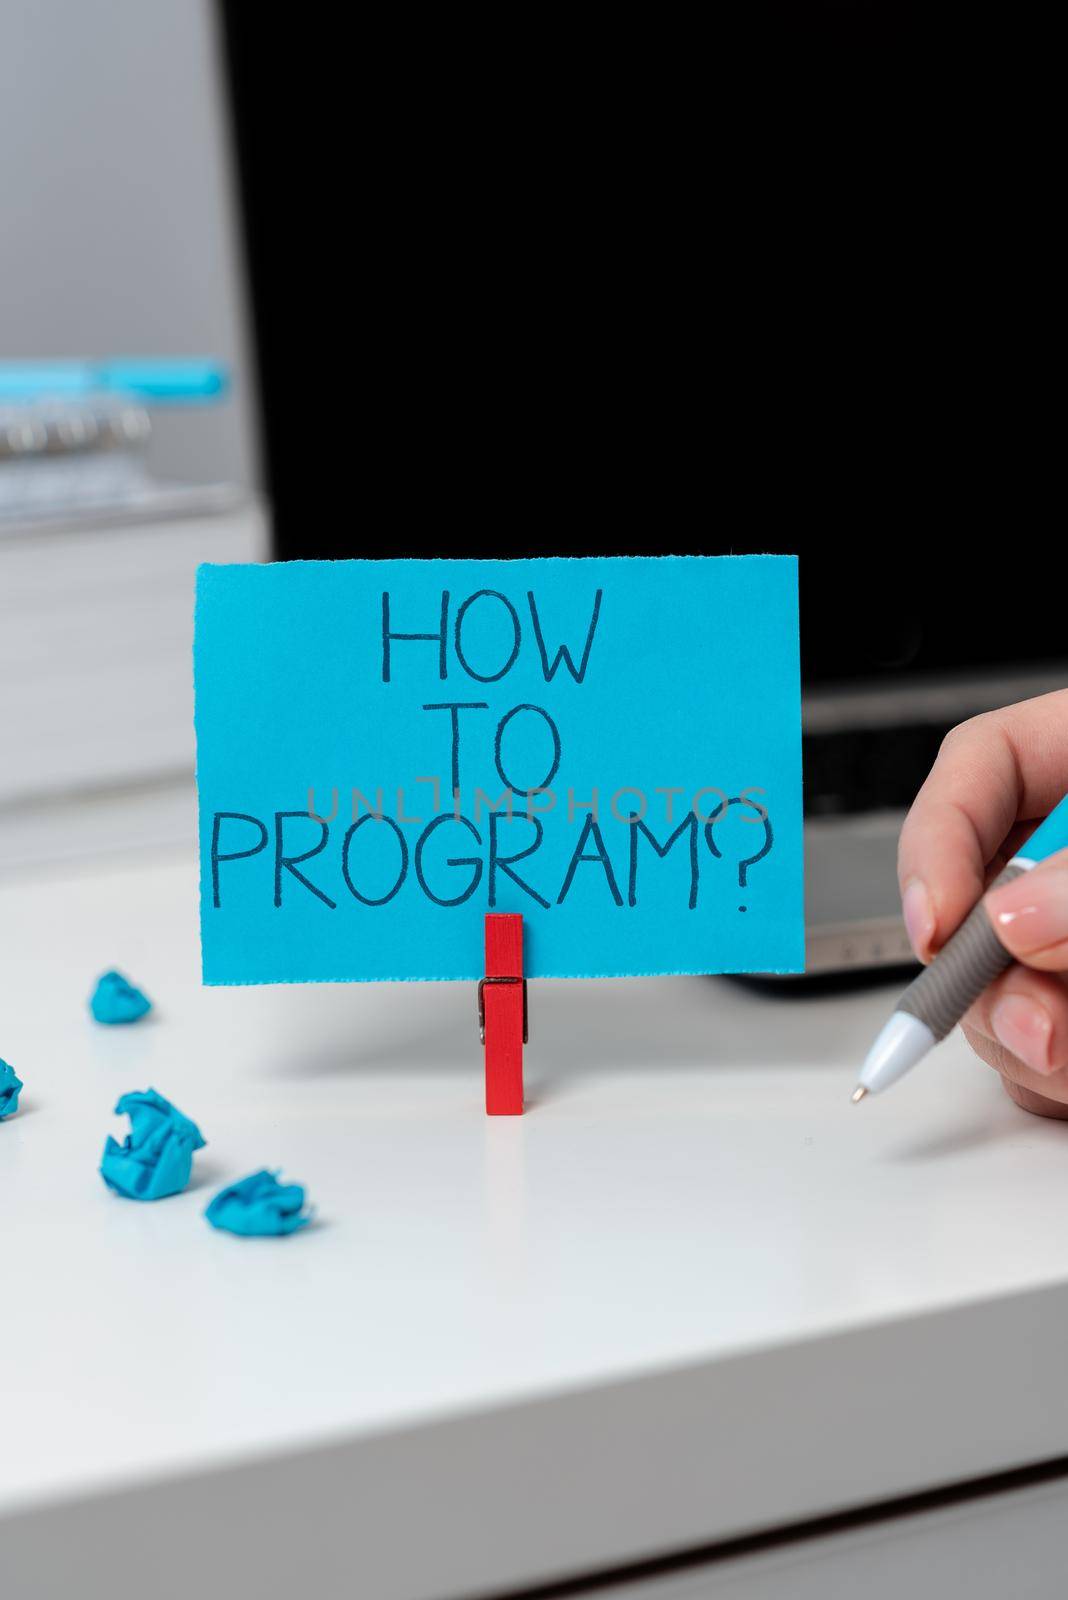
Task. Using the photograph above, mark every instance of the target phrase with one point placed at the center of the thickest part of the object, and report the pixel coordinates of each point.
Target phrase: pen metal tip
(858, 1094)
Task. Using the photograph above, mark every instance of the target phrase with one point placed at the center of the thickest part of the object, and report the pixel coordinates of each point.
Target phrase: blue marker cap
(173, 382)
(162, 382)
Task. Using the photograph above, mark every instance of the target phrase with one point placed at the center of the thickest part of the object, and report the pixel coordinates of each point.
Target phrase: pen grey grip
(960, 972)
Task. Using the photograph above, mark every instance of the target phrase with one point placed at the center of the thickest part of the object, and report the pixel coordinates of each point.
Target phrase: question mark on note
(748, 861)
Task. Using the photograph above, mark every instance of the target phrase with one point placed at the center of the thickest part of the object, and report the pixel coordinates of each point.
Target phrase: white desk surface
(691, 1293)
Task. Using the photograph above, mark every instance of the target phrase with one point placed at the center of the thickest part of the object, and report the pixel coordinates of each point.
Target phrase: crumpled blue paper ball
(10, 1088)
(156, 1159)
(259, 1205)
(116, 1000)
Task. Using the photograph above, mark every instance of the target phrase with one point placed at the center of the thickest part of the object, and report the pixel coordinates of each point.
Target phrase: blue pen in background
(166, 381)
(934, 1003)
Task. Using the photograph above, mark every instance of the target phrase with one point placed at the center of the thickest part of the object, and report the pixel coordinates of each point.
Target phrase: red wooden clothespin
(502, 1014)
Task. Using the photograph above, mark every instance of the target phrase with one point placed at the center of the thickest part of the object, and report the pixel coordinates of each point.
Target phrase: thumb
(1030, 915)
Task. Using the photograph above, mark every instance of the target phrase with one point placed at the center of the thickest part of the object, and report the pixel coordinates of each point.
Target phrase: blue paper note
(259, 1206)
(10, 1089)
(156, 1157)
(363, 728)
(115, 1000)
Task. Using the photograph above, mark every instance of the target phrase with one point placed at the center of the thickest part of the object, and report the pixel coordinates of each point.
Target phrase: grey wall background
(119, 233)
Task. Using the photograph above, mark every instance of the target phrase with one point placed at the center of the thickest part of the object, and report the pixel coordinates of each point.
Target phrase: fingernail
(919, 922)
(1032, 912)
(1024, 1027)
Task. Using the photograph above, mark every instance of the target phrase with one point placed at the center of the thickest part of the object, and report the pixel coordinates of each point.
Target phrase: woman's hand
(995, 779)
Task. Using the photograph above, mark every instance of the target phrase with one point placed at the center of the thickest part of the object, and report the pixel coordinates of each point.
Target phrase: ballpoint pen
(934, 1002)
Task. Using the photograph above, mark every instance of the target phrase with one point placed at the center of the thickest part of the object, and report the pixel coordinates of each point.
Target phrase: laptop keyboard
(867, 769)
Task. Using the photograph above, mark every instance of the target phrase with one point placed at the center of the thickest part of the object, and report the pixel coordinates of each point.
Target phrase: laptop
(897, 647)
(623, 406)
